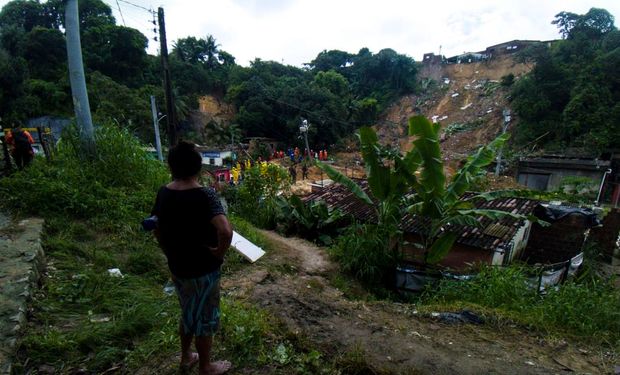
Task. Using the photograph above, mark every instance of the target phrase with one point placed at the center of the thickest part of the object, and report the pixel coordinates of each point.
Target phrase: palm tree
(211, 51)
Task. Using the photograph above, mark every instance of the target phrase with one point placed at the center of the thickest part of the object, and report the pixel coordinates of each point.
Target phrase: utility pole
(156, 126)
(81, 105)
(498, 160)
(171, 118)
(232, 148)
(304, 130)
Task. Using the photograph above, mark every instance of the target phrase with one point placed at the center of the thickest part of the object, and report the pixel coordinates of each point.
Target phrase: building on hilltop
(501, 49)
(549, 172)
(431, 58)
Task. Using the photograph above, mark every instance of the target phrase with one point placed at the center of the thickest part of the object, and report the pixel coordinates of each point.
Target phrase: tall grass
(586, 309)
(116, 185)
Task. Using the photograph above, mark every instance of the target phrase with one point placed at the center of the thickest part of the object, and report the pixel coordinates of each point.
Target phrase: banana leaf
(340, 178)
(440, 248)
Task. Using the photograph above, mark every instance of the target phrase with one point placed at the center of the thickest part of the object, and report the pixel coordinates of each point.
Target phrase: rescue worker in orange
(21, 146)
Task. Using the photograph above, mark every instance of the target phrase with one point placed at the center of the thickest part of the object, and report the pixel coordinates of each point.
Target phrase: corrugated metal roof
(490, 235)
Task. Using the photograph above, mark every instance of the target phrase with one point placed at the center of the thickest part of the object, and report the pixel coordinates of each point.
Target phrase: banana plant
(390, 176)
(415, 183)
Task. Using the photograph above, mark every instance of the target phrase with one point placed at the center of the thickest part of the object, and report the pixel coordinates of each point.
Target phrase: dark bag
(21, 141)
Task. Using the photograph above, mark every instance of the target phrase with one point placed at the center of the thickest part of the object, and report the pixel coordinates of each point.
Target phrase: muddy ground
(393, 336)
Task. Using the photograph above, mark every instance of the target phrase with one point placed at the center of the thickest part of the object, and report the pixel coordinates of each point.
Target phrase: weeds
(586, 309)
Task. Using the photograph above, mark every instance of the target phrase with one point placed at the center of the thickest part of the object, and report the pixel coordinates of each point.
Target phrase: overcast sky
(295, 31)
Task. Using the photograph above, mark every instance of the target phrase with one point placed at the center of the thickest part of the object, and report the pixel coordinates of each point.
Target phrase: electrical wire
(121, 12)
(137, 6)
(309, 112)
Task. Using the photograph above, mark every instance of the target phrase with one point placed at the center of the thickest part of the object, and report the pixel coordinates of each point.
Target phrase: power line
(137, 20)
(137, 6)
(121, 12)
(309, 112)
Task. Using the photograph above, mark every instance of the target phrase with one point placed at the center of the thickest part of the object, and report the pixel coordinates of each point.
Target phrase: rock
(46, 369)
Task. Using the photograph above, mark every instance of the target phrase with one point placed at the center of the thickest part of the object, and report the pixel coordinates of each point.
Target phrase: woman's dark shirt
(185, 229)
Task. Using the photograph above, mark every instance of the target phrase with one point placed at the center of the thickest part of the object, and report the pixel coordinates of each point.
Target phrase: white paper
(246, 248)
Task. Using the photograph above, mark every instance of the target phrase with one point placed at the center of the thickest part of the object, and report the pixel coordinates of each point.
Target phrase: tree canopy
(571, 98)
(337, 92)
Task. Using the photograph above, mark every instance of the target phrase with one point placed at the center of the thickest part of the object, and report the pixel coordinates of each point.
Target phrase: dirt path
(392, 337)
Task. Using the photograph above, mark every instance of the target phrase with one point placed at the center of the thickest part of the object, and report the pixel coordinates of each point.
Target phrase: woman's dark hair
(184, 160)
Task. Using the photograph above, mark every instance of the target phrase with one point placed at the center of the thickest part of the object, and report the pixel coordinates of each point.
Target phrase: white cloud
(295, 31)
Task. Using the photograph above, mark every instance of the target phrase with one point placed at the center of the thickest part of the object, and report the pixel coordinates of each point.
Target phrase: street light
(304, 130)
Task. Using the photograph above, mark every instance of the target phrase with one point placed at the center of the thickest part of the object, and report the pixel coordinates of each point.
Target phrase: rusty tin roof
(490, 235)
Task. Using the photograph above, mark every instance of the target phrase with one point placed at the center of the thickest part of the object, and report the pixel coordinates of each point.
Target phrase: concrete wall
(216, 156)
(21, 264)
(558, 170)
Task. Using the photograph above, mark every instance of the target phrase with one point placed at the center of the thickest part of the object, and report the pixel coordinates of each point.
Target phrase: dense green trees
(32, 45)
(572, 96)
(337, 92)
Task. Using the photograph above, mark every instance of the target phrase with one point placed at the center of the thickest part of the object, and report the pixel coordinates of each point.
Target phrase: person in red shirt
(21, 146)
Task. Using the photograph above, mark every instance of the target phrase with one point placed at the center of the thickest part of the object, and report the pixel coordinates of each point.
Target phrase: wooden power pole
(170, 115)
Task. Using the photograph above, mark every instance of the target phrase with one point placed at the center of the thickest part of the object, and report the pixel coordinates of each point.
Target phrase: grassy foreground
(83, 318)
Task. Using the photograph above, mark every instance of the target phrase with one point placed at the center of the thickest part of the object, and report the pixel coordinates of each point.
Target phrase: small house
(550, 172)
(219, 173)
(493, 242)
(214, 157)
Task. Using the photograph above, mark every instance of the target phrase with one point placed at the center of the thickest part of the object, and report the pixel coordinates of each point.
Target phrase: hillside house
(214, 157)
(220, 174)
(549, 172)
(501, 49)
(493, 242)
(514, 46)
(431, 58)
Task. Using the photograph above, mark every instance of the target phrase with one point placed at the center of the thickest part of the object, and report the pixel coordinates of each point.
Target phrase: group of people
(20, 141)
(296, 155)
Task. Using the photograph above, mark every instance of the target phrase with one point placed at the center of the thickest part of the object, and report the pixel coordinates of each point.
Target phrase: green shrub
(314, 221)
(365, 252)
(507, 80)
(117, 183)
(255, 198)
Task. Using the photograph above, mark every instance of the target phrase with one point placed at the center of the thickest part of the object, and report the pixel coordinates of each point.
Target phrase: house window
(221, 177)
(537, 181)
(211, 161)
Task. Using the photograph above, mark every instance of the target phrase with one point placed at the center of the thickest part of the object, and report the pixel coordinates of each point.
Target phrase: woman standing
(194, 233)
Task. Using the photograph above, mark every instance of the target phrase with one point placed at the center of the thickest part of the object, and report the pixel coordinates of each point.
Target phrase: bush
(117, 183)
(508, 80)
(365, 252)
(255, 198)
(314, 221)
